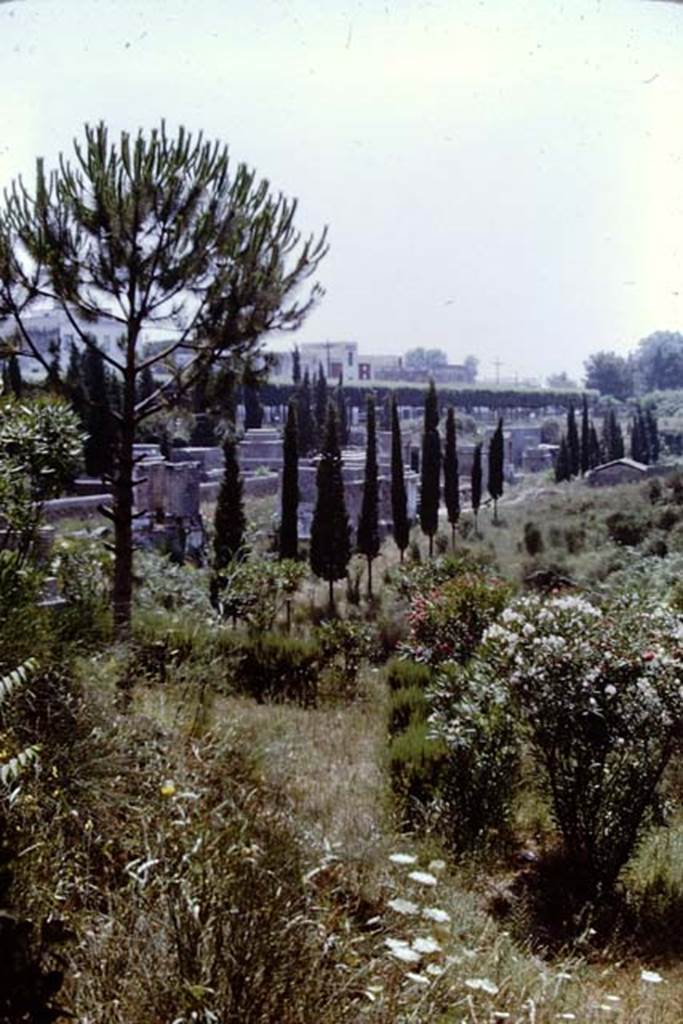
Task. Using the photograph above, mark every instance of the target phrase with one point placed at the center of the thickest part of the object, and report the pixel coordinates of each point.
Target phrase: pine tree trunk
(453, 537)
(369, 579)
(331, 599)
(431, 545)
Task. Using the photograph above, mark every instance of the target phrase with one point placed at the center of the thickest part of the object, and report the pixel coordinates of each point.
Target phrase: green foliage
(627, 528)
(451, 481)
(256, 592)
(472, 715)
(345, 644)
(533, 539)
(277, 668)
(447, 622)
(288, 537)
(610, 374)
(229, 519)
(41, 440)
(430, 467)
(367, 535)
(83, 568)
(407, 704)
(599, 694)
(399, 502)
(403, 673)
(496, 465)
(475, 481)
(12, 764)
(416, 763)
(573, 444)
(330, 549)
(98, 419)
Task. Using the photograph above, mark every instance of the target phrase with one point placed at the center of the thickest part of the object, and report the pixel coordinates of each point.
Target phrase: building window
(364, 371)
(349, 357)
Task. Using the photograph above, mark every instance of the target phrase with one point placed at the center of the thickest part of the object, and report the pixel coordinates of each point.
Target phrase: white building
(53, 333)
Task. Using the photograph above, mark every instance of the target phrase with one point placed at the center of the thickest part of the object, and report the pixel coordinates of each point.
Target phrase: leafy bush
(257, 591)
(344, 645)
(83, 568)
(448, 622)
(533, 539)
(277, 668)
(599, 692)
(402, 673)
(473, 717)
(416, 762)
(626, 528)
(406, 705)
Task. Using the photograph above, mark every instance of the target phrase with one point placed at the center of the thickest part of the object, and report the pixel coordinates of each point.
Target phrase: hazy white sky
(499, 178)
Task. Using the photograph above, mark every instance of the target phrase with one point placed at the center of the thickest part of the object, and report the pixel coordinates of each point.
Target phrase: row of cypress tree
(580, 452)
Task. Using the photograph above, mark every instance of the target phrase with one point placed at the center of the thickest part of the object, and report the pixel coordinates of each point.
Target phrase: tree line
(584, 449)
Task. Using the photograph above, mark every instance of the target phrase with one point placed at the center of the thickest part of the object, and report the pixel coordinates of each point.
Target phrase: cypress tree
(367, 536)
(73, 382)
(97, 420)
(399, 500)
(296, 365)
(475, 482)
(496, 467)
(451, 482)
(573, 447)
(229, 519)
(289, 531)
(341, 413)
(307, 442)
(330, 533)
(653, 434)
(320, 406)
(594, 450)
(617, 437)
(146, 386)
(585, 455)
(14, 380)
(253, 410)
(430, 468)
(562, 466)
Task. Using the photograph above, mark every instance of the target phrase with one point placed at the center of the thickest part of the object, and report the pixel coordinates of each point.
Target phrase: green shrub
(668, 517)
(626, 528)
(575, 539)
(472, 715)
(599, 693)
(533, 539)
(277, 668)
(406, 706)
(402, 673)
(415, 768)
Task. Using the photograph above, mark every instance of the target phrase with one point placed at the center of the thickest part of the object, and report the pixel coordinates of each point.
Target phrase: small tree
(289, 529)
(653, 434)
(321, 399)
(585, 453)
(367, 537)
(229, 519)
(14, 376)
(296, 365)
(430, 468)
(573, 446)
(562, 467)
(330, 531)
(594, 450)
(399, 500)
(253, 410)
(341, 413)
(307, 443)
(476, 482)
(496, 467)
(451, 482)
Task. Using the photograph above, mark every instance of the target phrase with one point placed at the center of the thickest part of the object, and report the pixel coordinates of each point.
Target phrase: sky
(501, 179)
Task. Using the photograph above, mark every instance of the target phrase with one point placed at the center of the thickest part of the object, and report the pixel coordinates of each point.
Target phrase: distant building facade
(52, 333)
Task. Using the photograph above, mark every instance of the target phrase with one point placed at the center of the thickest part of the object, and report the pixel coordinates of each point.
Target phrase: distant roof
(626, 461)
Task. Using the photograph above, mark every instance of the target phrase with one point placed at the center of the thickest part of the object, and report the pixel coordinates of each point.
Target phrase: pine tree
(229, 519)
(430, 468)
(97, 420)
(573, 447)
(307, 434)
(296, 365)
(399, 500)
(341, 413)
(330, 532)
(562, 465)
(367, 536)
(146, 385)
(475, 482)
(451, 482)
(253, 410)
(289, 529)
(496, 467)
(584, 456)
(320, 406)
